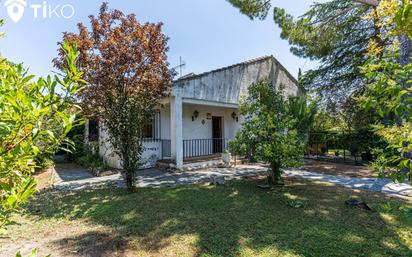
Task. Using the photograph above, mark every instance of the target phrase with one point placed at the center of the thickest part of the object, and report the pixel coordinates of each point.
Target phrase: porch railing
(204, 147)
(164, 145)
(166, 149)
(192, 148)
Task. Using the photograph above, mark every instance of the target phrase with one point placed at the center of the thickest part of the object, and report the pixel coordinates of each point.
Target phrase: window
(148, 130)
(152, 129)
(93, 131)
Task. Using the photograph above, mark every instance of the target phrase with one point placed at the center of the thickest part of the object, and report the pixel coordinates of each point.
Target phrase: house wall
(197, 130)
(149, 157)
(228, 85)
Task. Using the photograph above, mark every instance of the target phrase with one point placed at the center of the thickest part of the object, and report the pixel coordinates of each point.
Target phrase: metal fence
(343, 145)
(204, 147)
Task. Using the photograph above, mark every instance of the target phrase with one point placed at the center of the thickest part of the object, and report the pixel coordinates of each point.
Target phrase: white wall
(148, 158)
(106, 150)
(197, 130)
(165, 122)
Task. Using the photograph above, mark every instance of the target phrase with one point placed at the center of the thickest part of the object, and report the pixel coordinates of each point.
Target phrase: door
(217, 134)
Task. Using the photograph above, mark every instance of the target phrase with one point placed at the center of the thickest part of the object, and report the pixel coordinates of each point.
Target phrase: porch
(189, 130)
(194, 150)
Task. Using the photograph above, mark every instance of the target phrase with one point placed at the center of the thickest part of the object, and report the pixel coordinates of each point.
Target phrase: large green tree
(333, 33)
(275, 128)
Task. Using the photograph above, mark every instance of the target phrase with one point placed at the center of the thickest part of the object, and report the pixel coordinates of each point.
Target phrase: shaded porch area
(199, 131)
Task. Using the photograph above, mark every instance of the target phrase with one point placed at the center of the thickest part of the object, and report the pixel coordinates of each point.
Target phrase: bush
(93, 162)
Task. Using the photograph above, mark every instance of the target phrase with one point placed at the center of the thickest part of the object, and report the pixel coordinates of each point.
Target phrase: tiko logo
(15, 9)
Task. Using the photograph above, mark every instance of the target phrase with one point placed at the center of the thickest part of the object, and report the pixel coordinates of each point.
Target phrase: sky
(207, 34)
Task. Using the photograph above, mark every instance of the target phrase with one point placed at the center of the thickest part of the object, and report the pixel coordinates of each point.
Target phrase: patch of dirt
(71, 239)
(340, 169)
(44, 178)
(108, 173)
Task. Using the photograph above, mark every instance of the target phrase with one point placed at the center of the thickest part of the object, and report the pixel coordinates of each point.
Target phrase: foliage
(356, 117)
(389, 91)
(403, 18)
(125, 64)
(252, 8)
(395, 161)
(359, 142)
(336, 35)
(304, 112)
(327, 121)
(94, 162)
(32, 254)
(34, 120)
(76, 136)
(388, 88)
(271, 132)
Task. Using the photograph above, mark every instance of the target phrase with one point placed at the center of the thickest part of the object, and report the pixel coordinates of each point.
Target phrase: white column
(176, 129)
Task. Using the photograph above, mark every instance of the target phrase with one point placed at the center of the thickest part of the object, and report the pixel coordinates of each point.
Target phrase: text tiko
(16, 10)
(46, 10)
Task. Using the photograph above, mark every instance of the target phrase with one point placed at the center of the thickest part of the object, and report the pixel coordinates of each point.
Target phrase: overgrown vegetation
(34, 121)
(389, 89)
(83, 154)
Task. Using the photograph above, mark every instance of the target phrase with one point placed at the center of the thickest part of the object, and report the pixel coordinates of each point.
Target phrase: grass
(301, 219)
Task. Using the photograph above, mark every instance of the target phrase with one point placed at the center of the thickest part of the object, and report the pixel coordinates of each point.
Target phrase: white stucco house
(201, 113)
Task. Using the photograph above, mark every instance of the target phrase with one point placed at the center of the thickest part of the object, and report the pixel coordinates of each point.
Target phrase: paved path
(385, 186)
(68, 172)
(159, 178)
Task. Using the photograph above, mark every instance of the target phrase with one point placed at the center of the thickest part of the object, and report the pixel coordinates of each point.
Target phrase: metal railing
(204, 147)
(166, 149)
(342, 145)
(163, 144)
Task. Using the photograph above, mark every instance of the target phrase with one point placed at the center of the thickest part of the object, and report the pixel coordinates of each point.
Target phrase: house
(201, 113)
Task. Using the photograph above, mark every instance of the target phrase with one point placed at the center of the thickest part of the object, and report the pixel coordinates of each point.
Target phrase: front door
(217, 134)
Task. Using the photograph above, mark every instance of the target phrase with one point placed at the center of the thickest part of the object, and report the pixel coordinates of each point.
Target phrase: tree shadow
(97, 244)
(229, 220)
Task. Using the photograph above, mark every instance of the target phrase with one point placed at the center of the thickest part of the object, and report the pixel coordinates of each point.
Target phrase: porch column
(176, 129)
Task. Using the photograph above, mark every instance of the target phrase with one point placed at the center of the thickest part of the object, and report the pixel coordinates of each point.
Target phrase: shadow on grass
(232, 220)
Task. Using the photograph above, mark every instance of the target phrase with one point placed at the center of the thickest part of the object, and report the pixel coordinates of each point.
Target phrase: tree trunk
(128, 174)
(275, 174)
(130, 180)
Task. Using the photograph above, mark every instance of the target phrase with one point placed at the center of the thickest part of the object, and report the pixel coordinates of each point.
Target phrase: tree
(126, 66)
(34, 119)
(389, 91)
(336, 35)
(271, 131)
(252, 8)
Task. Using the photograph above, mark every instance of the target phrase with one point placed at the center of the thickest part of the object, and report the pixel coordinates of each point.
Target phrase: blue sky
(208, 34)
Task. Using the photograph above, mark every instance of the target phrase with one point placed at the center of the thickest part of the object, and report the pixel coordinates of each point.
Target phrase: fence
(343, 145)
(204, 147)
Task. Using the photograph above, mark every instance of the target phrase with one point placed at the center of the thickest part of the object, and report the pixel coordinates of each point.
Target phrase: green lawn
(233, 220)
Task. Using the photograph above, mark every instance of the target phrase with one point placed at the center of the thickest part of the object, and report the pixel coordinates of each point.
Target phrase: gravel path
(159, 178)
